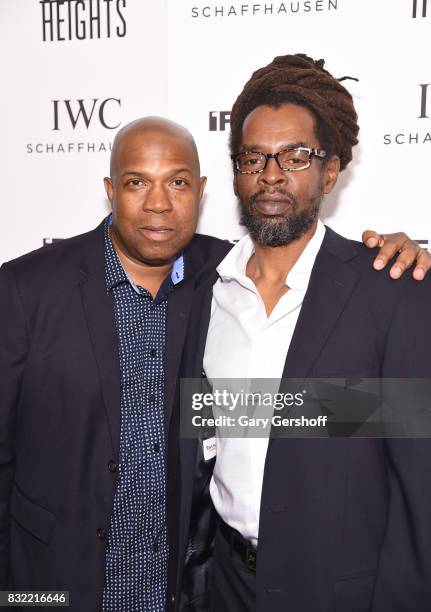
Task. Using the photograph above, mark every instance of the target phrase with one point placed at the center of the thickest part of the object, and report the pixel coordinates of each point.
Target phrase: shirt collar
(233, 266)
(116, 274)
(299, 276)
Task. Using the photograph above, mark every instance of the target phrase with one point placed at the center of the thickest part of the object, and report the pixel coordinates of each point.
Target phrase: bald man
(90, 343)
(87, 382)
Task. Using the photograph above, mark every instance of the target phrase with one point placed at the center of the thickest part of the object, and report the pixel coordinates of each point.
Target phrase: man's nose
(273, 174)
(157, 200)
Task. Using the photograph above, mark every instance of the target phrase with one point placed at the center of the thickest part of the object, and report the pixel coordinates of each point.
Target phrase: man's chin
(155, 259)
(276, 231)
(279, 229)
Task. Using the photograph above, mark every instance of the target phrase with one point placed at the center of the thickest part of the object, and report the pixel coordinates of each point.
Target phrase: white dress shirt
(244, 343)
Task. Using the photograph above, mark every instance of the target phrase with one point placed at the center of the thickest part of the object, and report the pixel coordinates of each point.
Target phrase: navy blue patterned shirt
(137, 547)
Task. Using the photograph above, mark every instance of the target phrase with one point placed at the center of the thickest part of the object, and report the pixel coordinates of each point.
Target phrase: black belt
(244, 548)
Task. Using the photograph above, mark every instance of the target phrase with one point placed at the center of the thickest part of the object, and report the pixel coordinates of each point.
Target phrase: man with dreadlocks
(304, 525)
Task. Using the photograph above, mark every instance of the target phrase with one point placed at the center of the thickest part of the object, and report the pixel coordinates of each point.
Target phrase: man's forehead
(151, 145)
(286, 124)
(155, 139)
(279, 117)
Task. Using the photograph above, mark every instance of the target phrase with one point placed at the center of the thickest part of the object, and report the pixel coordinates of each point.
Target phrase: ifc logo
(219, 121)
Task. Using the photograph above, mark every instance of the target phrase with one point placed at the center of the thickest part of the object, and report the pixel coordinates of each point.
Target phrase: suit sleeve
(403, 581)
(13, 352)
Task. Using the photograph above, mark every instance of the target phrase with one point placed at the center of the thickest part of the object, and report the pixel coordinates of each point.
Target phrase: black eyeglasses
(290, 159)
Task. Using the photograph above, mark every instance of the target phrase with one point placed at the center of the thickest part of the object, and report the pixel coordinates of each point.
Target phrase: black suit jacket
(60, 411)
(345, 524)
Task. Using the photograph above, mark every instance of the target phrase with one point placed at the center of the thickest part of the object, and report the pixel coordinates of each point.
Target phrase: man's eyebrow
(131, 173)
(289, 145)
(178, 170)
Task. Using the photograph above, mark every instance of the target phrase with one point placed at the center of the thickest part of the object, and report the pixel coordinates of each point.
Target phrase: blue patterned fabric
(137, 547)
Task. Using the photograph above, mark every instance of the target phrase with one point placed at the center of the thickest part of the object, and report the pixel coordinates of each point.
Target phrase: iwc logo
(83, 112)
(424, 112)
(80, 115)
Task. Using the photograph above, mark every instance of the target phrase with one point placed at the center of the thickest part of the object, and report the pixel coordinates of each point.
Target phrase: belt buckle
(250, 558)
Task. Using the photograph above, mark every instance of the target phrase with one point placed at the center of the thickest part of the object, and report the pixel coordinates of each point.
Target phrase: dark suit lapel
(99, 312)
(331, 284)
(194, 471)
(178, 314)
(189, 307)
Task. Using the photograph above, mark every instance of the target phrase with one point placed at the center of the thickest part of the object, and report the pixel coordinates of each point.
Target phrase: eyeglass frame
(312, 152)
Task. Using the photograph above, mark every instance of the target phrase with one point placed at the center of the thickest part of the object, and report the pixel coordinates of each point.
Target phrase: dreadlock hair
(298, 79)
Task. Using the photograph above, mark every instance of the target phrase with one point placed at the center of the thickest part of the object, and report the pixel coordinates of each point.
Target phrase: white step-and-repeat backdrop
(74, 71)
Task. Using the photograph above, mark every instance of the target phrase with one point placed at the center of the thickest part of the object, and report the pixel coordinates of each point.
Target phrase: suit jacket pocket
(354, 594)
(32, 517)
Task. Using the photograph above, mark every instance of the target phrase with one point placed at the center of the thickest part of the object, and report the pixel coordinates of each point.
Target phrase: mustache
(286, 195)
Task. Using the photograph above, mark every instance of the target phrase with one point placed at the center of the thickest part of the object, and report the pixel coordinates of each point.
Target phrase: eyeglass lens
(250, 161)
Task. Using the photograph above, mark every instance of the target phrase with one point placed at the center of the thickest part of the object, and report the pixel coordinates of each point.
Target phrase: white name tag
(209, 448)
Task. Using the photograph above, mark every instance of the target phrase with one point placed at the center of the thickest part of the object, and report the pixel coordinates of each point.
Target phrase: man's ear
(109, 188)
(202, 184)
(332, 169)
(235, 184)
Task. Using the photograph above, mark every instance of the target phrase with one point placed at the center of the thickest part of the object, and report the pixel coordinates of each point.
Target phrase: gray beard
(274, 232)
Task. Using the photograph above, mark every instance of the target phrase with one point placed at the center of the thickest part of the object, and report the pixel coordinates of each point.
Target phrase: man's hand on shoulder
(409, 253)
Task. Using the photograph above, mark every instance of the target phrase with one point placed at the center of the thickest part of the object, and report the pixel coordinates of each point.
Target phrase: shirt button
(172, 599)
(153, 352)
(152, 398)
(156, 447)
(112, 466)
(101, 534)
